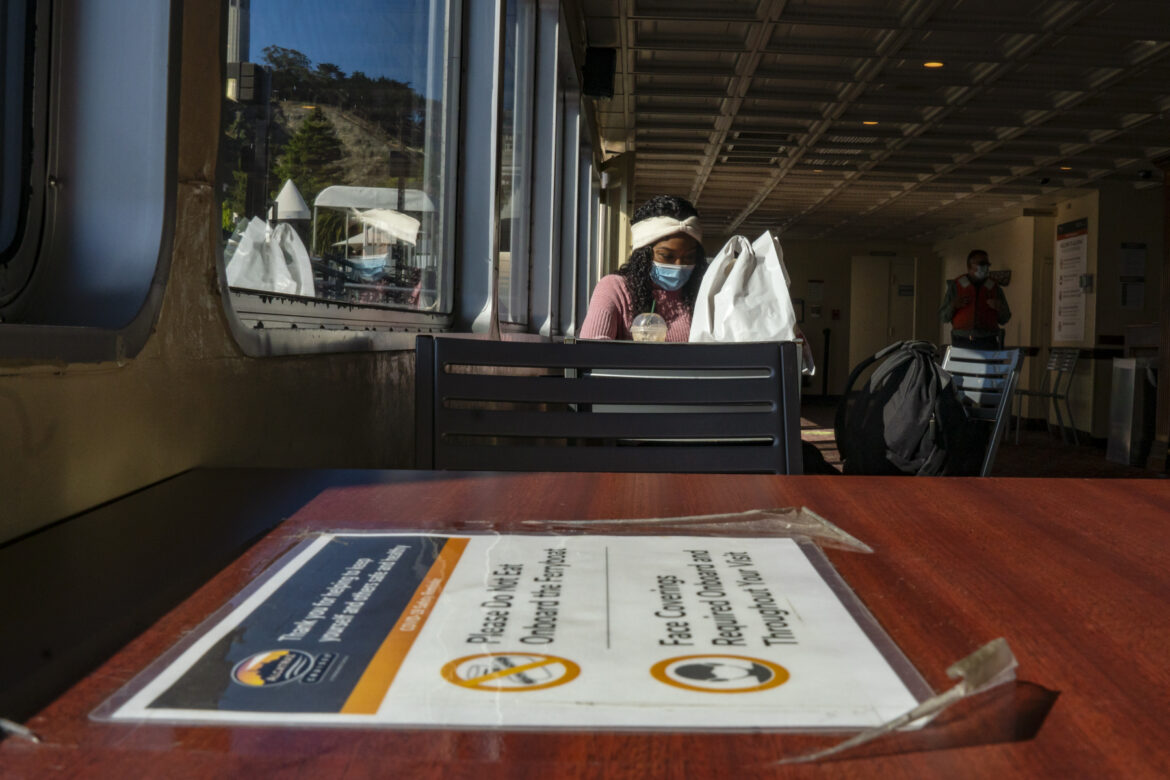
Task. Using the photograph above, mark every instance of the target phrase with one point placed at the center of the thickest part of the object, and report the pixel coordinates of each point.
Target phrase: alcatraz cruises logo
(276, 667)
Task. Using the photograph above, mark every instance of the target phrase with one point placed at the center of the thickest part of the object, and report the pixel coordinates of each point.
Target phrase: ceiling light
(869, 122)
(1066, 167)
(933, 64)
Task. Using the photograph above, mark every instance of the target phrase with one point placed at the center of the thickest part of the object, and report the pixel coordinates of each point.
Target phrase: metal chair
(1062, 364)
(527, 406)
(987, 380)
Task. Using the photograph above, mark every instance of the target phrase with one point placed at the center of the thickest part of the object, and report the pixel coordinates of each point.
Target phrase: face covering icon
(669, 276)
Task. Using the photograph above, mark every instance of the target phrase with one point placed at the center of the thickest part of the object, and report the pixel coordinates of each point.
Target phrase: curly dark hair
(636, 270)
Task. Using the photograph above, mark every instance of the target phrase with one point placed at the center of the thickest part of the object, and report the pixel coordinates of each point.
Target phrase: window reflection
(332, 160)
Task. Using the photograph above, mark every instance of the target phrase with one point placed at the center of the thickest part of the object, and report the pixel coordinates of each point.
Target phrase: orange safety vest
(973, 305)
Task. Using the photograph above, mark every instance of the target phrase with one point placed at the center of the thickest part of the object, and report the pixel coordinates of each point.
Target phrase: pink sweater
(611, 312)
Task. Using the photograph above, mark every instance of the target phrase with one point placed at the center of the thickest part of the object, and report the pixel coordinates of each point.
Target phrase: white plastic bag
(276, 262)
(296, 258)
(744, 294)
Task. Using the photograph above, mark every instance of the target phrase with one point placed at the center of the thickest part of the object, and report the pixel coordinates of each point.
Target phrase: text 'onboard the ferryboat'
(541, 601)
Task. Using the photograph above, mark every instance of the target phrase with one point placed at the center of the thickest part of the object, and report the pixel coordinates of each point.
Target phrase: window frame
(22, 128)
(554, 61)
(36, 342)
(523, 75)
(587, 202)
(572, 131)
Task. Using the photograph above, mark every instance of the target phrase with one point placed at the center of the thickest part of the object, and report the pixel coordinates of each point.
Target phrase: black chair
(528, 406)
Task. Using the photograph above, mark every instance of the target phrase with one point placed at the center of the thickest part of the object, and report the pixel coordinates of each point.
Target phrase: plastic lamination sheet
(536, 631)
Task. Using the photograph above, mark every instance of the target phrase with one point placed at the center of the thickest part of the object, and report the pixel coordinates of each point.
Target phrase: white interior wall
(1127, 215)
(831, 262)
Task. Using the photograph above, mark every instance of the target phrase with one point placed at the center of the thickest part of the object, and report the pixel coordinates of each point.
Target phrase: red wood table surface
(1072, 572)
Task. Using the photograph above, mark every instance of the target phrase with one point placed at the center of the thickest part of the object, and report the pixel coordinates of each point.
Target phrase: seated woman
(662, 275)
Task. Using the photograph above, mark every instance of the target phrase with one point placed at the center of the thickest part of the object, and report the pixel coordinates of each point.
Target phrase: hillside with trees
(386, 103)
(321, 127)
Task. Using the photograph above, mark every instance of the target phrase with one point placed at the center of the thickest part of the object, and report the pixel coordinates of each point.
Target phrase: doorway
(882, 295)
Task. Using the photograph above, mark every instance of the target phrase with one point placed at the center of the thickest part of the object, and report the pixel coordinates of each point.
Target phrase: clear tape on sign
(792, 522)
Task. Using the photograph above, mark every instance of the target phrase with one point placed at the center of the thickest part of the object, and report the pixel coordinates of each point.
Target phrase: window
(335, 163)
(520, 203)
(86, 174)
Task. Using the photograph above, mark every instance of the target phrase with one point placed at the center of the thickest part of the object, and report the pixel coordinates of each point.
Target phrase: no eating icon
(510, 671)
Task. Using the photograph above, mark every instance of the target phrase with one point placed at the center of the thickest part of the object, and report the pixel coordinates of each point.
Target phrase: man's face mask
(981, 271)
(669, 276)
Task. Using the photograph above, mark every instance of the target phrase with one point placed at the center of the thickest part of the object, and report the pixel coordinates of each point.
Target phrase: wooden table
(1072, 572)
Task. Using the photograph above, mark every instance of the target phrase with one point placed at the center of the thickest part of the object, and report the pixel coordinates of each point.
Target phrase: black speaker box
(598, 72)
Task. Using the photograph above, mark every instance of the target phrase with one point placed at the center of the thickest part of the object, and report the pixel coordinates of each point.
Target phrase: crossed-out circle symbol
(503, 671)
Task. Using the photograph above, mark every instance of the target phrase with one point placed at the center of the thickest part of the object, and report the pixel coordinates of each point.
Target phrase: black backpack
(908, 419)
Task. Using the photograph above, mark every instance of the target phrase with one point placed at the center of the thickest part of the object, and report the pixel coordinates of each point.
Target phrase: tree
(330, 71)
(291, 70)
(311, 157)
(329, 84)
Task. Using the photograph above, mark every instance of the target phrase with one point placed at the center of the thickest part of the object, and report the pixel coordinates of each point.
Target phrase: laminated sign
(536, 631)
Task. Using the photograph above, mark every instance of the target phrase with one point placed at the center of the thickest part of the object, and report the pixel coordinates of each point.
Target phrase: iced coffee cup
(648, 327)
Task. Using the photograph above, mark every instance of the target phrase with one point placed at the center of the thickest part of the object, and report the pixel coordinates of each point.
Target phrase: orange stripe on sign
(371, 688)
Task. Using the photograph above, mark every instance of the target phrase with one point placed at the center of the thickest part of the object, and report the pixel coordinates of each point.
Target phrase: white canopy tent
(395, 224)
(382, 204)
(344, 197)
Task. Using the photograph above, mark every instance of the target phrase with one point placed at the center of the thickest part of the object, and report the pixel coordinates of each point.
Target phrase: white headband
(651, 229)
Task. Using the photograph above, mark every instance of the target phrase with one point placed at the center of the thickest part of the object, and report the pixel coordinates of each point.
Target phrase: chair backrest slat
(979, 382)
(662, 407)
(1063, 358)
(973, 369)
(607, 390)
(574, 424)
(983, 399)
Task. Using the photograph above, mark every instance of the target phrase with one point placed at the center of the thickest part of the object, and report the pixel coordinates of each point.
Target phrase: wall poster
(531, 631)
(1068, 299)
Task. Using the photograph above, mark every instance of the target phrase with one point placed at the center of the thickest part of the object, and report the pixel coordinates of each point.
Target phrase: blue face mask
(669, 276)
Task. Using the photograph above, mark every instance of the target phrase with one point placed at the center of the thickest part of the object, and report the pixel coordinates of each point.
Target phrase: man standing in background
(975, 306)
